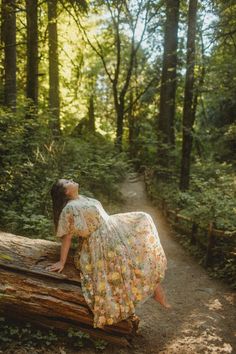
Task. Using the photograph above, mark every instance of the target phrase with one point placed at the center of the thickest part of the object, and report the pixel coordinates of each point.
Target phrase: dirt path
(203, 314)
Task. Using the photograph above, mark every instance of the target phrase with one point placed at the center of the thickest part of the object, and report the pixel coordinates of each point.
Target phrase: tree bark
(2, 56)
(32, 52)
(119, 125)
(166, 118)
(131, 125)
(91, 115)
(48, 299)
(188, 110)
(9, 42)
(54, 100)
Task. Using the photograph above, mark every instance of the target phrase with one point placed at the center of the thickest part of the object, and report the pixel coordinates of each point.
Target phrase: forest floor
(203, 315)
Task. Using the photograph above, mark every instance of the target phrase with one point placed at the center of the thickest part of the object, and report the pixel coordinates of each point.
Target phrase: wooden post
(193, 233)
(210, 244)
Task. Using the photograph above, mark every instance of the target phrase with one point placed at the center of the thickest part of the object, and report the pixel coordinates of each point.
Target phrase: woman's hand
(65, 245)
(56, 267)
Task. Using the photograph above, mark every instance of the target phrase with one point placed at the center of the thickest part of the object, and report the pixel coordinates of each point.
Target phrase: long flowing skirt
(121, 264)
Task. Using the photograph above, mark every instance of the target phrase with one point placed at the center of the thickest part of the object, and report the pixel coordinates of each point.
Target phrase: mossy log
(47, 299)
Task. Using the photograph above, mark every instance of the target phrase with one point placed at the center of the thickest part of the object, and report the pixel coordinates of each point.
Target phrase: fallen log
(51, 300)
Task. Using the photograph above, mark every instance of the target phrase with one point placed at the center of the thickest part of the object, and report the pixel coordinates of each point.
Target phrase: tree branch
(141, 94)
(118, 41)
(87, 39)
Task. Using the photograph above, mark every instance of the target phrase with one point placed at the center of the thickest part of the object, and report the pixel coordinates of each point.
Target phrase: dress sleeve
(71, 221)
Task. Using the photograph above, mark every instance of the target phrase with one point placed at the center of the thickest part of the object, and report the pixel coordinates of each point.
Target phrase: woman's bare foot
(159, 295)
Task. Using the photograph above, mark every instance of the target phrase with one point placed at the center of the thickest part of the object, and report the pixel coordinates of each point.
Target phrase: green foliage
(31, 163)
(79, 338)
(100, 344)
(30, 337)
(211, 197)
(95, 164)
(26, 335)
(225, 270)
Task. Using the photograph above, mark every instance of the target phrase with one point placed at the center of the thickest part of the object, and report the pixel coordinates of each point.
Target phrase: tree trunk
(133, 128)
(91, 115)
(166, 117)
(54, 100)
(9, 43)
(188, 111)
(131, 125)
(2, 56)
(119, 129)
(32, 52)
(45, 298)
(119, 117)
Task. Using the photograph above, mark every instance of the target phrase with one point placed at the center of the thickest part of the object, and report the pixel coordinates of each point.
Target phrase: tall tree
(166, 117)
(32, 51)
(124, 17)
(9, 42)
(189, 109)
(54, 100)
(91, 114)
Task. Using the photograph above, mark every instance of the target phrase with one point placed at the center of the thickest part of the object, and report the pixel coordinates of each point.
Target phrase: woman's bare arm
(65, 246)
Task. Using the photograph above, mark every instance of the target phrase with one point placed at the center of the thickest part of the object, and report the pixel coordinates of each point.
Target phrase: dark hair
(59, 200)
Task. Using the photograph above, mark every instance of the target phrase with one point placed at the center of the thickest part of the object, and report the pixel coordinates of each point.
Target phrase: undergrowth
(31, 163)
(29, 337)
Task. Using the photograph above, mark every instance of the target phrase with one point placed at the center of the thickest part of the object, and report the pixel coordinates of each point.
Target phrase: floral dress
(121, 261)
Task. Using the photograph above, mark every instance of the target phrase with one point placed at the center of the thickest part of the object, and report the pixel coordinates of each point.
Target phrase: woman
(121, 261)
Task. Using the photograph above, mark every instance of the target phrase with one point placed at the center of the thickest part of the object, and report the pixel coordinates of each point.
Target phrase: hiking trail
(203, 314)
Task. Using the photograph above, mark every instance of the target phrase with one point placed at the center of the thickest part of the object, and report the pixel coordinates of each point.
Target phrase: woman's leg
(159, 295)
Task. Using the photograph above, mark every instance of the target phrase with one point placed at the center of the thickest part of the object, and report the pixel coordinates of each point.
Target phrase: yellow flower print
(100, 264)
(101, 286)
(139, 297)
(102, 320)
(134, 290)
(123, 269)
(110, 321)
(115, 276)
(139, 259)
(88, 267)
(111, 254)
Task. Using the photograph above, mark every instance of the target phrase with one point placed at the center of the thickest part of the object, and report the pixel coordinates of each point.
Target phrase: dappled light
(134, 103)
